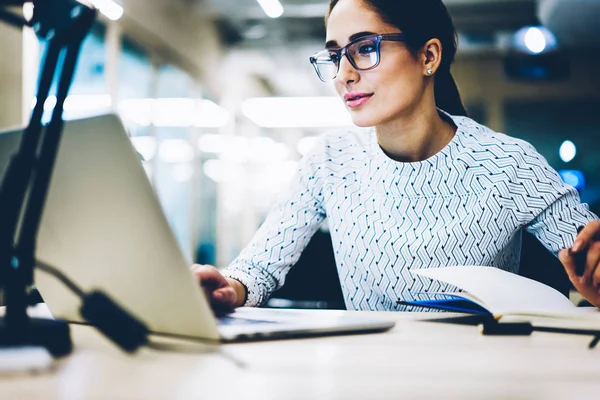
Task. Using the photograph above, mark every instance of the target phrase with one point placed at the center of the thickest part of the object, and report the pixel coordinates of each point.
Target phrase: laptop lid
(104, 228)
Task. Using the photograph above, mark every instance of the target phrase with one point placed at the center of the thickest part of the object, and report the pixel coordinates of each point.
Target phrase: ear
(431, 54)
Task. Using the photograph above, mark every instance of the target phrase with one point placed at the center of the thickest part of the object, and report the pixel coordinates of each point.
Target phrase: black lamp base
(54, 335)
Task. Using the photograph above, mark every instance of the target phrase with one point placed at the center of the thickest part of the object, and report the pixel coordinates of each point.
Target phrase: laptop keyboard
(241, 321)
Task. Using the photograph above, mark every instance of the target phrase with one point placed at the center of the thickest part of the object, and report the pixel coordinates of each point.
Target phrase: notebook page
(503, 292)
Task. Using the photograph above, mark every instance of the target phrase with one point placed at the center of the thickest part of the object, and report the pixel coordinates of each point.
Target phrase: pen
(580, 257)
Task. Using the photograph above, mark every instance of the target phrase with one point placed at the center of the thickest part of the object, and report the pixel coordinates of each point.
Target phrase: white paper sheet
(502, 292)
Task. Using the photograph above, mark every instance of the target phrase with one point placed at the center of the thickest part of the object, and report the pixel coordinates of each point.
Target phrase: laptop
(104, 228)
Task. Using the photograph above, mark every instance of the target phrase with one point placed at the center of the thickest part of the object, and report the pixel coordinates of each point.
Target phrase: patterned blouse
(466, 205)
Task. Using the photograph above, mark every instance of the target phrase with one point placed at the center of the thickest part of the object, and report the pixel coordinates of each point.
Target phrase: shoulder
(340, 144)
(334, 150)
(500, 154)
(478, 138)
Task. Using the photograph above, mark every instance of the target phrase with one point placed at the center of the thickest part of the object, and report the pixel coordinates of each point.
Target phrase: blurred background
(221, 102)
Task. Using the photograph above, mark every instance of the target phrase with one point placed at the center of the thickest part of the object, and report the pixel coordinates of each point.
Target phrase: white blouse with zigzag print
(466, 205)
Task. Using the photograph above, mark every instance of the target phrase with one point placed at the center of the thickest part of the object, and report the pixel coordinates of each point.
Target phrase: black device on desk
(64, 24)
(493, 327)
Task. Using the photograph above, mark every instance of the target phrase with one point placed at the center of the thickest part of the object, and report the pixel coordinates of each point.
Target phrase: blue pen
(580, 257)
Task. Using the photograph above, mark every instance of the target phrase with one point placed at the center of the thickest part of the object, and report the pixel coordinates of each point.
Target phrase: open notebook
(490, 290)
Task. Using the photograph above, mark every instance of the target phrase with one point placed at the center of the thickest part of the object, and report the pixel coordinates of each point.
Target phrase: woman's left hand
(587, 244)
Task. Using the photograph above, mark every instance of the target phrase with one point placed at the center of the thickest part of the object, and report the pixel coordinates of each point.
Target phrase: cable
(61, 277)
(97, 308)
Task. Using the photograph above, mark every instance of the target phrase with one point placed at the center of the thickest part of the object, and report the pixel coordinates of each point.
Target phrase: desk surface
(417, 359)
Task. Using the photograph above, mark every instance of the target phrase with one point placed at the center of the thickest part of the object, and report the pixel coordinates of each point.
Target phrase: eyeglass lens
(363, 55)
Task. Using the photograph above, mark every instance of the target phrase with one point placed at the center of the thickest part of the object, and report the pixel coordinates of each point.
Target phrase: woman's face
(389, 91)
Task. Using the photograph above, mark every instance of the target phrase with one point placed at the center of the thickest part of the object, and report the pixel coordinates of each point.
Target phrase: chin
(363, 122)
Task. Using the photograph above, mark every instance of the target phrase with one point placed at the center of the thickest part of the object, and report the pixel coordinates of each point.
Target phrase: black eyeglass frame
(395, 37)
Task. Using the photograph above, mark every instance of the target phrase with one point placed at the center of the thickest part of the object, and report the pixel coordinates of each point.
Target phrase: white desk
(415, 360)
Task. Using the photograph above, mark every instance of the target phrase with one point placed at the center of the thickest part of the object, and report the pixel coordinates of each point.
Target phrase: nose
(347, 73)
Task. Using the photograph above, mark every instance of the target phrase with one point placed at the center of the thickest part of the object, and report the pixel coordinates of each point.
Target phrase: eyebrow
(333, 43)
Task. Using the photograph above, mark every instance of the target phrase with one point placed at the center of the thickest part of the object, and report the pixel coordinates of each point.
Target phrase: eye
(334, 57)
(366, 48)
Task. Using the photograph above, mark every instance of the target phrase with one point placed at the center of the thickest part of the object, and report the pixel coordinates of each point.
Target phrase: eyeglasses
(363, 54)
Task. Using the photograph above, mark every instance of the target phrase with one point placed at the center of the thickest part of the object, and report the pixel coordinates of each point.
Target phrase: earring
(429, 71)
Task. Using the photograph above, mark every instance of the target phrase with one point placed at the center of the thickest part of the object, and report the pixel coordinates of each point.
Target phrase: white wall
(173, 33)
(11, 76)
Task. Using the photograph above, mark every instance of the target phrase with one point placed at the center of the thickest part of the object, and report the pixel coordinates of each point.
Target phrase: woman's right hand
(224, 294)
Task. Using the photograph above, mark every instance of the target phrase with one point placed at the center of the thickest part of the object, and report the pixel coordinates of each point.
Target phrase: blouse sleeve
(286, 231)
(561, 213)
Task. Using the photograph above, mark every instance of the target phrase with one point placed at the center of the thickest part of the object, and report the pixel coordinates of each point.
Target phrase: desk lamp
(64, 24)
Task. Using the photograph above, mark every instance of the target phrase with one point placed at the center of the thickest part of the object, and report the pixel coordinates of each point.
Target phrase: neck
(416, 136)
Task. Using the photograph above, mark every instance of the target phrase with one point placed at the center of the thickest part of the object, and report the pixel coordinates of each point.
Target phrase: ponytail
(447, 96)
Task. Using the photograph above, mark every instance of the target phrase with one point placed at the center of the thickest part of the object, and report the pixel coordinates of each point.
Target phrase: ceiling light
(174, 112)
(272, 8)
(255, 32)
(534, 40)
(567, 151)
(211, 143)
(573, 177)
(210, 115)
(109, 8)
(176, 151)
(28, 11)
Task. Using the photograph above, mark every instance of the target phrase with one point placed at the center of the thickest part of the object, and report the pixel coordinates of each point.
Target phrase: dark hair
(423, 20)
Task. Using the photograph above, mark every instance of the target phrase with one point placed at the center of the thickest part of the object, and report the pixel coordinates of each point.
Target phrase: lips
(356, 99)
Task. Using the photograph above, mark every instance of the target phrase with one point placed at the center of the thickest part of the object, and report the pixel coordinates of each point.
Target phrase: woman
(427, 187)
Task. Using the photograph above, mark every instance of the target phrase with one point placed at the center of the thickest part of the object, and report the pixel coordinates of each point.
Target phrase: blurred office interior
(220, 100)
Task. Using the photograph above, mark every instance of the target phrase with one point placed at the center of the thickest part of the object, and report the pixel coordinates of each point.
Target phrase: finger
(201, 267)
(196, 271)
(596, 276)
(591, 261)
(207, 275)
(593, 295)
(589, 232)
(585, 288)
(223, 300)
(198, 268)
(224, 295)
(566, 258)
(204, 275)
